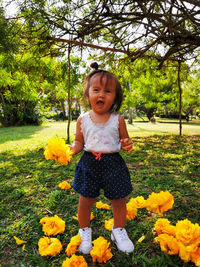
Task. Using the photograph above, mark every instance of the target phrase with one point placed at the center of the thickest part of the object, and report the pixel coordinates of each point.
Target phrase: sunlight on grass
(172, 156)
(35, 137)
(32, 137)
(147, 128)
(29, 190)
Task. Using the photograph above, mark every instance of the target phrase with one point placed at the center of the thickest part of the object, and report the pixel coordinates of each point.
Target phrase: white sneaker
(121, 239)
(86, 240)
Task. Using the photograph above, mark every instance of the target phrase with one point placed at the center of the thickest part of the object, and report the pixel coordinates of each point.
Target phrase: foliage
(191, 95)
(29, 191)
(31, 87)
(77, 68)
(146, 88)
(19, 86)
(135, 28)
(9, 41)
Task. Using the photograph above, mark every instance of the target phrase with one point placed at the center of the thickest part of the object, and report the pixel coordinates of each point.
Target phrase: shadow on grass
(18, 132)
(168, 163)
(29, 192)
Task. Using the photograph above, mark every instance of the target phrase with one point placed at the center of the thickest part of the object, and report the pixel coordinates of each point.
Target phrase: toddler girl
(101, 133)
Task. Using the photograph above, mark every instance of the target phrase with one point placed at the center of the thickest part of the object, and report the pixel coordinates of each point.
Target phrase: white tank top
(102, 138)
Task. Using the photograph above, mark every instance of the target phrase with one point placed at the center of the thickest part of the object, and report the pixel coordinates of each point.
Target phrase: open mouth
(100, 103)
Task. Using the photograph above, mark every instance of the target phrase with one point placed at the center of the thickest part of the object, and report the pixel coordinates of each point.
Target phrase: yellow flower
(101, 251)
(163, 226)
(49, 246)
(72, 247)
(188, 236)
(185, 252)
(138, 202)
(58, 150)
(159, 202)
(168, 244)
(19, 241)
(188, 233)
(109, 224)
(75, 261)
(101, 205)
(131, 210)
(91, 216)
(64, 185)
(52, 225)
(195, 257)
(76, 217)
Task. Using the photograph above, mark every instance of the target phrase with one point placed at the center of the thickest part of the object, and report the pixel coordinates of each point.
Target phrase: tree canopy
(164, 30)
(167, 29)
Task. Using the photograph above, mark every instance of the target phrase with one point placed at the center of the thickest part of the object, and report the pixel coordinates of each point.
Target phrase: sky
(10, 7)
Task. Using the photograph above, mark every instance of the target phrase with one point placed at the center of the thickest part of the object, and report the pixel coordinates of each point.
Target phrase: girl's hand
(76, 147)
(72, 149)
(126, 144)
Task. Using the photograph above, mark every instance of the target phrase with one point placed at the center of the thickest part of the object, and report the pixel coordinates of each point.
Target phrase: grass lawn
(161, 160)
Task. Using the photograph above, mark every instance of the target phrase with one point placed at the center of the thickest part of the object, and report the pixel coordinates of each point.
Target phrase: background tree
(20, 86)
(167, 29)
(146, 88)
(77, 72)
(191, 95)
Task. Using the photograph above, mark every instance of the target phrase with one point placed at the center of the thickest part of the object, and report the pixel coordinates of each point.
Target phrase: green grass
(28, 191)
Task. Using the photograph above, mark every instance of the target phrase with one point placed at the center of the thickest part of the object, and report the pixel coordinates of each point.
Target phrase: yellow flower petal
(168, 244)
(19, 241)
(139, 202)
(52, 225)
(188, 233)
(23, 248)
(159, 202)
(101, 251)
(64, 185)
(75, 261)
(131, 210)
(141, 239)
(49, 246)
(101, 205)
(91, 217)
(196, 257)
(72, 247)
(109, 224)
(58, 150)
(163, 226)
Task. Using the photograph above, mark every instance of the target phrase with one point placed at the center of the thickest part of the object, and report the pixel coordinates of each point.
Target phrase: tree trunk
(68, 99)
(180, 98)
(63, 109)
(130, 116)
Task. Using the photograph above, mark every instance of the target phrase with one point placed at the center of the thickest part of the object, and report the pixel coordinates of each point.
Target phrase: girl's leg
(84, 211)
(119, 234)
(119, 212)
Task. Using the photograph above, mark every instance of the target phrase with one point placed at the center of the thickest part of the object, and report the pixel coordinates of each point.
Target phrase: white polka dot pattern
(110, 174)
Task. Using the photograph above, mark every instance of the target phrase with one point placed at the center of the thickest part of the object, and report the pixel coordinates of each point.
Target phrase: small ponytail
(94, 65)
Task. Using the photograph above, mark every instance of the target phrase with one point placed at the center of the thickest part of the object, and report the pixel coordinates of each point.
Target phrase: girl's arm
(77, 145)
(126, 142)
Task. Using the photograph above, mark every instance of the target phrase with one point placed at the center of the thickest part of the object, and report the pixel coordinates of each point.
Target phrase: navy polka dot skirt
(108, 172)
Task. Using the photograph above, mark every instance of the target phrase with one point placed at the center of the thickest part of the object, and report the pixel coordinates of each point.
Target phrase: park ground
(161, 160)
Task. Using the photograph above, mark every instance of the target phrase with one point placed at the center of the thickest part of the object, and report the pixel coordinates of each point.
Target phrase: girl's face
(102, 93)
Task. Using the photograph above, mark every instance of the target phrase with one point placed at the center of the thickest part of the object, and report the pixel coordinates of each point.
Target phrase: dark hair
(109, 75)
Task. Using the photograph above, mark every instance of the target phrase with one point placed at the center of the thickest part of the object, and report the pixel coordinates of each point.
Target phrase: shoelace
(122, 234)
(85, 235)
